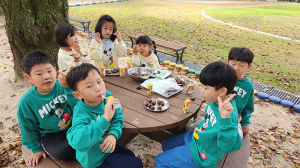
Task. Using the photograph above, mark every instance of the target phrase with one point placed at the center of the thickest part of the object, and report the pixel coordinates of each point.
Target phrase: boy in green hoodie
(96, 125)
(240, 58)
(216, 134)
(45, 111)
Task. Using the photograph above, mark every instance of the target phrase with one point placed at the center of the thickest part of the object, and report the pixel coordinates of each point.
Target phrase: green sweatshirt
(244, 99)
(220, 136)
(89, 129)
(39, 114)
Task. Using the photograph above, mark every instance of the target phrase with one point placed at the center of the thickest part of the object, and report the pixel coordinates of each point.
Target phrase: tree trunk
(30, 25)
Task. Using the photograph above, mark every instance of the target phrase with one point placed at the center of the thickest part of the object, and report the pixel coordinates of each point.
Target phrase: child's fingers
(113, 148)
(105, 147)
(109, 148)
(103, 143)
(36, 161)
(44, 154)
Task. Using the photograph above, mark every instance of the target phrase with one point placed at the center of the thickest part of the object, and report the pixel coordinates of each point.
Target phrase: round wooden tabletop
(137, 119)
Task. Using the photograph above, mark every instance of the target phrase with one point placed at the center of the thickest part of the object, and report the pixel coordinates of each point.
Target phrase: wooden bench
(82, 21)
(238, 159)
(179, 49)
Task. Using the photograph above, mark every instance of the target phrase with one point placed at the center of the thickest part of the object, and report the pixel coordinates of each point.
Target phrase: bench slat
(162, 43)
(78, 20)
(43, 163)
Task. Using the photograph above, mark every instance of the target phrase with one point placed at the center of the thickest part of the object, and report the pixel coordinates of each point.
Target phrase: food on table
(139, 88)
(159, 108)
(152, 107)
(179, 81)
(136, 74)
(159, 102)
(149, 105)
(149, 100)
(162, 103)
(193, 98)
(158, 72)
(170, 91)
(153, 102)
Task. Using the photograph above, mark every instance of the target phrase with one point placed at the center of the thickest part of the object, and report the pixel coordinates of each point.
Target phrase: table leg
(158, 136)
(126, 138)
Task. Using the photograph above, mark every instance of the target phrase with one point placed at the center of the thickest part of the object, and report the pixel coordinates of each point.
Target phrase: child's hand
(98, 38)
(118, 34)
(109, 143)
(109, 110)
(136, 49)
(245, 129)
(225, 108)
(77, 47)
(76, 57)
(150, 64)
(34, 158)
(62, 79)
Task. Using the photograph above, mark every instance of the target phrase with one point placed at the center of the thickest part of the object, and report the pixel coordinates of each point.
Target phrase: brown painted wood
(138, 117)
(240, 158)
(162, 43)
(158, 136)
(43, 162)
(50, 162)
(128, 84)
(67, 163)
(126, 138)
(221, 162)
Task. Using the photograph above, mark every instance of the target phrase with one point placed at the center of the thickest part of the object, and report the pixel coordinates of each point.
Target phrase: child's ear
(227, 61)
(77, 95)
(223, 91)
(27, 77)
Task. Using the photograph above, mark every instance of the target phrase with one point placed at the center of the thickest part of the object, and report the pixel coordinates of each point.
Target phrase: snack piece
(193, 98)
(146, 104)
(179, 81)
(158, 72)
(152, 108)
(170, 91)
(159, 108)
(159, 102)
(154, 73)
(149, 105)
(153, 102)
(115, 70)
(162, 103)
(150, 100)
(139, 88)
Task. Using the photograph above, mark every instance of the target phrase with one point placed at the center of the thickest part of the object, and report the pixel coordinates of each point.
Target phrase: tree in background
(30, 25)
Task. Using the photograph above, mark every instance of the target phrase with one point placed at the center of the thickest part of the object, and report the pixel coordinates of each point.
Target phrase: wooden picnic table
(137, 119)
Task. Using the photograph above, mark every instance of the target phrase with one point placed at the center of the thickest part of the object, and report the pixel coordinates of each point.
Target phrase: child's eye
(99, 82)
(49, 71)
(39, 74)
(89, 86)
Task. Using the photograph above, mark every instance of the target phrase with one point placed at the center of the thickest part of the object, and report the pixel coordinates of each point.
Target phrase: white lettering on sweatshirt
(213, 118)
(241, 92)
(51, 104)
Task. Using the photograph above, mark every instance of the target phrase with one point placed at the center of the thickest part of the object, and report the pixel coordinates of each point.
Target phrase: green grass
(207, 41)
(281, 20)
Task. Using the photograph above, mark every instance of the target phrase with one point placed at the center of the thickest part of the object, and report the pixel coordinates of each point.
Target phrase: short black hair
(61, 32)
(241, 54)
(78, 74)
(219, 74)
(34, 58)
(101, 21)
(144, 40)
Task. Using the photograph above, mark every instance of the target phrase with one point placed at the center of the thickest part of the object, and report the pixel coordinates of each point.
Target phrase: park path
(203, 13)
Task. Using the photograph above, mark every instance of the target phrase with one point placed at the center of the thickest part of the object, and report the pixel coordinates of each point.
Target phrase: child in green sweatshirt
(96, 125)
(240, 58)
(216, 134)
(45, 111)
